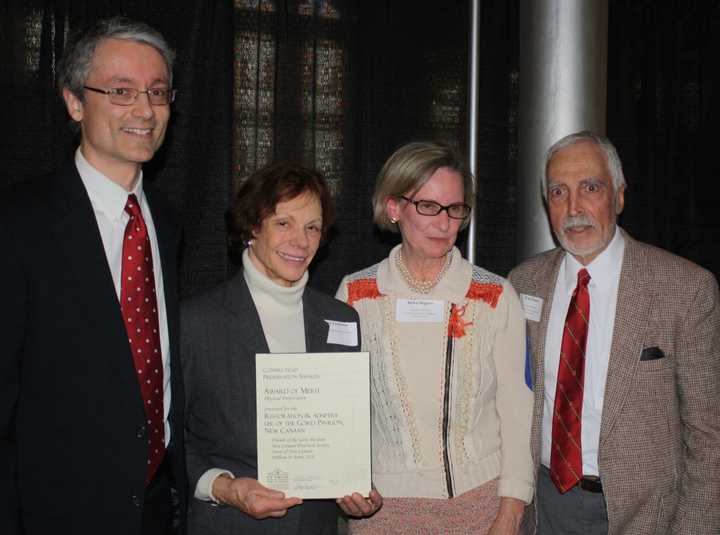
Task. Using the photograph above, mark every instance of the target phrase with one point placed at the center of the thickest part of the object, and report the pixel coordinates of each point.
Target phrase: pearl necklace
(421, 286)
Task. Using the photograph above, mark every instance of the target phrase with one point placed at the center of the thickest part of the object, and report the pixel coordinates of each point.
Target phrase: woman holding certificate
(451, 411)
(280, 214)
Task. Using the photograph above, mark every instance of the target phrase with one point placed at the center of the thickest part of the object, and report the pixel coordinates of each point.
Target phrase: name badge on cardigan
(419, 310)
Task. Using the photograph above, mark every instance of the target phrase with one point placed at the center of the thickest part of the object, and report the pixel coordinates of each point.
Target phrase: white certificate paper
(313, 423)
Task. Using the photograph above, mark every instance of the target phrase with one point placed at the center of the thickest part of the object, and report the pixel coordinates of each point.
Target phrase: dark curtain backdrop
(663, 112)
(339, 84)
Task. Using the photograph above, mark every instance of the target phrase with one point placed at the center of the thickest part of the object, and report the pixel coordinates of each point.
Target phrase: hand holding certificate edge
(259, 501)
(252, 498)
(358, 506)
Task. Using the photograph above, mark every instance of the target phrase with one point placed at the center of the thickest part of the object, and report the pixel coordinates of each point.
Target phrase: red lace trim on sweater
(490, 293)
(362, 289)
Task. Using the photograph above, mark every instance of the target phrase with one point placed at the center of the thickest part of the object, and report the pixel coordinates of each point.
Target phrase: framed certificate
(313, 423)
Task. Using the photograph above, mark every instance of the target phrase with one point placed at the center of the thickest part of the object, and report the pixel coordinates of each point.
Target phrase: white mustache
(578, 221)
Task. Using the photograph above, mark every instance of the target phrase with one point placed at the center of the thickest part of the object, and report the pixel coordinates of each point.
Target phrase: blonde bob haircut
(408, 169)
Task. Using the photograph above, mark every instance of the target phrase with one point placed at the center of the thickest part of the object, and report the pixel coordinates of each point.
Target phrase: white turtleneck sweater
(279, 307)
(281, 316)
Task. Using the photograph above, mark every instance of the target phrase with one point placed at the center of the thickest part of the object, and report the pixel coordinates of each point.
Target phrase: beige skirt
(470, 513)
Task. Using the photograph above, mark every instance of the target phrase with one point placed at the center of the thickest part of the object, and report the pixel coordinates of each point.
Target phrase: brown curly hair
(260, 194)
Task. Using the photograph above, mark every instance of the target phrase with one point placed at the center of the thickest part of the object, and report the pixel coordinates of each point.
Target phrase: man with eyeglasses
(91, 394)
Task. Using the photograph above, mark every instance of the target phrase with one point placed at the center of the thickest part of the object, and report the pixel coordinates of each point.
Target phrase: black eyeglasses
(125, 96)
(458, 210)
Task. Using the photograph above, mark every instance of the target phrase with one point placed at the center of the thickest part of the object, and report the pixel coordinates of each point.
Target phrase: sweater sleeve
(513, 399)
(342, 292)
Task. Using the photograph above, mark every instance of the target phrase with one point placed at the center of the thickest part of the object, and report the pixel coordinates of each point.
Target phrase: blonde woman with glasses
(451, 408)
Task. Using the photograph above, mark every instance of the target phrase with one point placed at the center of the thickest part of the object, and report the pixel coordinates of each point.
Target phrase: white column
(563, 89)
(473, 90)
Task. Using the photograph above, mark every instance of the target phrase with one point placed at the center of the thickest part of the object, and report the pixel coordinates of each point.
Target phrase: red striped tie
(138, 303)
(566, 455)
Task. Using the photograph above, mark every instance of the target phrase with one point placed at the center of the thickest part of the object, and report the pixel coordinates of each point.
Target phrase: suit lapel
(83, 260)
(240, 302)
(635, 297)
(77, 235)
(545, 279)
(167, 243)
(316, 328)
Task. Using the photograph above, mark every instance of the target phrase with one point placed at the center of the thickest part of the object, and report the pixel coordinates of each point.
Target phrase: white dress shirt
(603, 287)
(108, 200)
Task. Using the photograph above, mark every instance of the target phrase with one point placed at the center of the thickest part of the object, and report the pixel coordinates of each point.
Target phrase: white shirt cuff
(203, 489)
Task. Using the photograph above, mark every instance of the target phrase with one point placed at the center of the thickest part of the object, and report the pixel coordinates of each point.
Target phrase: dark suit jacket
(659, 454)
(72, 436)
(220, 335)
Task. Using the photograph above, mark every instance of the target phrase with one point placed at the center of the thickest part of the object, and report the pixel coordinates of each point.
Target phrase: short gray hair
(604, 144)
(408, 169)
(77, 59)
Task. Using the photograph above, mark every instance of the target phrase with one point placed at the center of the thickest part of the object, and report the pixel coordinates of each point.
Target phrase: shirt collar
(106, 196)
(604, 269)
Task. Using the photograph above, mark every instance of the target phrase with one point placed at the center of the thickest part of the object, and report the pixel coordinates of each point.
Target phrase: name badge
(343, 333)
(419, 310)
(532, 306)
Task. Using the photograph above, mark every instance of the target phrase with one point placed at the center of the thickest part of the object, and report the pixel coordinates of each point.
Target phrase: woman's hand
(357, 506)
(509, 517)
(251, 497)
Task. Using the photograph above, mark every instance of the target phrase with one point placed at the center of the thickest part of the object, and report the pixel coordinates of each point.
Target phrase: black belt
(591, 484)
(587, 483)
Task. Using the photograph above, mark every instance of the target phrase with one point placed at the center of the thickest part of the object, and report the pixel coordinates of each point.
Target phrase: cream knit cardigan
(426, 443)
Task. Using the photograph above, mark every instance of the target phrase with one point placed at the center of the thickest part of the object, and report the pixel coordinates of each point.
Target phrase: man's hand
(251, 497)
(357, 506)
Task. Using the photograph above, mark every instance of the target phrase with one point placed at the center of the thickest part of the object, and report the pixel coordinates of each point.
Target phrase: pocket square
(652, 353)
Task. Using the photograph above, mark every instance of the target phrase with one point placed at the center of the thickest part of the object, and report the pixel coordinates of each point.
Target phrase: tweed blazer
(220, 335)
(659, 455)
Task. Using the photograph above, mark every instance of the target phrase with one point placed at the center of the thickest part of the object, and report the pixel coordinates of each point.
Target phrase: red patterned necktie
(566, 455)
(138, 303)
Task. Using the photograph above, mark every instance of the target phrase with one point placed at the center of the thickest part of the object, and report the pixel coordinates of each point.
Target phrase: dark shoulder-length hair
(263, 190)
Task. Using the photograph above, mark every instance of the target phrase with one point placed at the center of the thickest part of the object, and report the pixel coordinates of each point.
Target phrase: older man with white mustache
(625, 340)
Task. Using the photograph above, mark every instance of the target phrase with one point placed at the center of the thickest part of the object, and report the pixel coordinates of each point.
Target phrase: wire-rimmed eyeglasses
(458, 210)
(125, 96)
